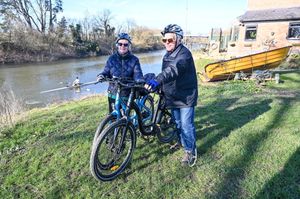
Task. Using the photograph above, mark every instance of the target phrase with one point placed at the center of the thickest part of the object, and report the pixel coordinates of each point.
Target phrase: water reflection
(28, 80)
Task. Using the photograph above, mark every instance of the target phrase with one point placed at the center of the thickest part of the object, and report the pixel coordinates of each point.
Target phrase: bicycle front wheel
(109, 119)
(112, 150)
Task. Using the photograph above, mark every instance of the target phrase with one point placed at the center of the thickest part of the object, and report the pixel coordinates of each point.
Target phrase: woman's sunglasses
(123, 44)
(170, 40)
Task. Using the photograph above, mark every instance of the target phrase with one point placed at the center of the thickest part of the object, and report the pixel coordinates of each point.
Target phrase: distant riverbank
(15, 55)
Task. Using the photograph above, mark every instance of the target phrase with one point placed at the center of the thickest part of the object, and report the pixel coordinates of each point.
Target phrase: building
(267, 24)
(196, 42)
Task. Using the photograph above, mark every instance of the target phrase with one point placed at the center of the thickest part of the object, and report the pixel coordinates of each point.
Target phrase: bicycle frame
(122, 108)
(159, 112)
(160, 107)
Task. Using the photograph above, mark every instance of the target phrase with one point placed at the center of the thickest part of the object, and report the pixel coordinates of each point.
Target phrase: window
(250, 33)
(294, 31)
(215, 34)
(234, 34)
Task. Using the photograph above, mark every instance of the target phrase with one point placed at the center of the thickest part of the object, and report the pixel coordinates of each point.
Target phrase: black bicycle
(112, 150)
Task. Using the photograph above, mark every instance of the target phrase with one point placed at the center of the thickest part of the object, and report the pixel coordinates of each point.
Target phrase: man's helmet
(123, 36)
(173, 28)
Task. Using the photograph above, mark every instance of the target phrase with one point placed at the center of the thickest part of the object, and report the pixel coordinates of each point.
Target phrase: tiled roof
(271, 15)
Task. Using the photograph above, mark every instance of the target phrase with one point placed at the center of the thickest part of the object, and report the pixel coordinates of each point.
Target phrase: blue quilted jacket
(122, 66)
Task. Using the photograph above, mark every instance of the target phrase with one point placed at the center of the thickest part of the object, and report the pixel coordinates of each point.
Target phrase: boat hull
(222, 70)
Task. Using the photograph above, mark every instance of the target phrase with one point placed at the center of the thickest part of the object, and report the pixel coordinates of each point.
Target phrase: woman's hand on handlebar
(100, 78)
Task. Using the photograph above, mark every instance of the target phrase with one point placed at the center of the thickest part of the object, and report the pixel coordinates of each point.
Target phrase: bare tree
(103, 21)
(129, 25)
(104, 30)
(33, 13)
(20, 9)
(53, 10)
(87, 27)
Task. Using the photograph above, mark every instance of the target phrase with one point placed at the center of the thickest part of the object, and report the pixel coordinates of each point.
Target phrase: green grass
(248, 140)
(290, 80)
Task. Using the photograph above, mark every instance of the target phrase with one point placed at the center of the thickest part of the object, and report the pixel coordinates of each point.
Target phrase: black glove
(100, 78)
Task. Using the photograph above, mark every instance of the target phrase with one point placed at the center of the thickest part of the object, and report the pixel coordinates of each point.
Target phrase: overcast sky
(194, 16)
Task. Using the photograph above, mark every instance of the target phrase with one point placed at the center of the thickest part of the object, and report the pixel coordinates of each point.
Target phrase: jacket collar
(175, 51)
(123, 56)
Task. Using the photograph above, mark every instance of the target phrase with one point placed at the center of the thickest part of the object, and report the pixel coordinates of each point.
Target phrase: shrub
(10, 107)
(292, 62)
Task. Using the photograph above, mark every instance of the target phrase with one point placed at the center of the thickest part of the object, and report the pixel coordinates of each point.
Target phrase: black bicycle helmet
(173, 28)
(123, 36)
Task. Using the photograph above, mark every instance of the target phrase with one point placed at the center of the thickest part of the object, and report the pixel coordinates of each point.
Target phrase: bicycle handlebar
(157, 91)
(124, 82)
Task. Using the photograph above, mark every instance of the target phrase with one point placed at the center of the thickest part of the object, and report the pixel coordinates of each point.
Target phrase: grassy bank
(248, 140)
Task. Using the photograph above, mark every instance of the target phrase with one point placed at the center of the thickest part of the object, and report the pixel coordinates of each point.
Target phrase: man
(76, 82)
(121, 64)
(179, 84)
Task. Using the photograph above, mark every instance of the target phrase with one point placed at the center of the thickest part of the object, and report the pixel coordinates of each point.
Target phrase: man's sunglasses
(170, 40)
(122, 44)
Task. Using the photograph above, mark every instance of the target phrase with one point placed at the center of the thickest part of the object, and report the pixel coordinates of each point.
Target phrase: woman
(121, 64)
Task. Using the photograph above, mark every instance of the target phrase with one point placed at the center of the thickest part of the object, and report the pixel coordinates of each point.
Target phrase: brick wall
(272, 4)
(264, 30)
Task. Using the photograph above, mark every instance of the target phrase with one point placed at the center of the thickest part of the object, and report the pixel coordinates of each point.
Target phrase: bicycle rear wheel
(145, 106)
(147, 110)
(167, 127)
(112, 150)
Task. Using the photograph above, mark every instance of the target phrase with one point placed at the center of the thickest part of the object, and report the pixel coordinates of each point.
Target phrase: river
(28, 80)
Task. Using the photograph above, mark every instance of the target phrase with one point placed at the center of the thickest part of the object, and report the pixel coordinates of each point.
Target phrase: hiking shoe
(175, 146)
(188, 159)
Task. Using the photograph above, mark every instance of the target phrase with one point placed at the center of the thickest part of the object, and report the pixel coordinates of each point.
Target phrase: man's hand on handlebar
(152, 85)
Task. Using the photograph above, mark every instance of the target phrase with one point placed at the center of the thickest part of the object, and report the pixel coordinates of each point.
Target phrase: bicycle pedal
(145, 138)
(114, 168)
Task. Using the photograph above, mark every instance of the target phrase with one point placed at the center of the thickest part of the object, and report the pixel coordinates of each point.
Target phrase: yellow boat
(222, 70)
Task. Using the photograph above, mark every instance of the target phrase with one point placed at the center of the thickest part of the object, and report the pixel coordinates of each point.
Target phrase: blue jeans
(184, 118)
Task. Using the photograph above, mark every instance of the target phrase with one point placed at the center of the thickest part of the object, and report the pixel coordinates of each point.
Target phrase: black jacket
(179, 79)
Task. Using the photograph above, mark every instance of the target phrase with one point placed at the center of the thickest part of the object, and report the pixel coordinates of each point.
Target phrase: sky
(196, 17)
